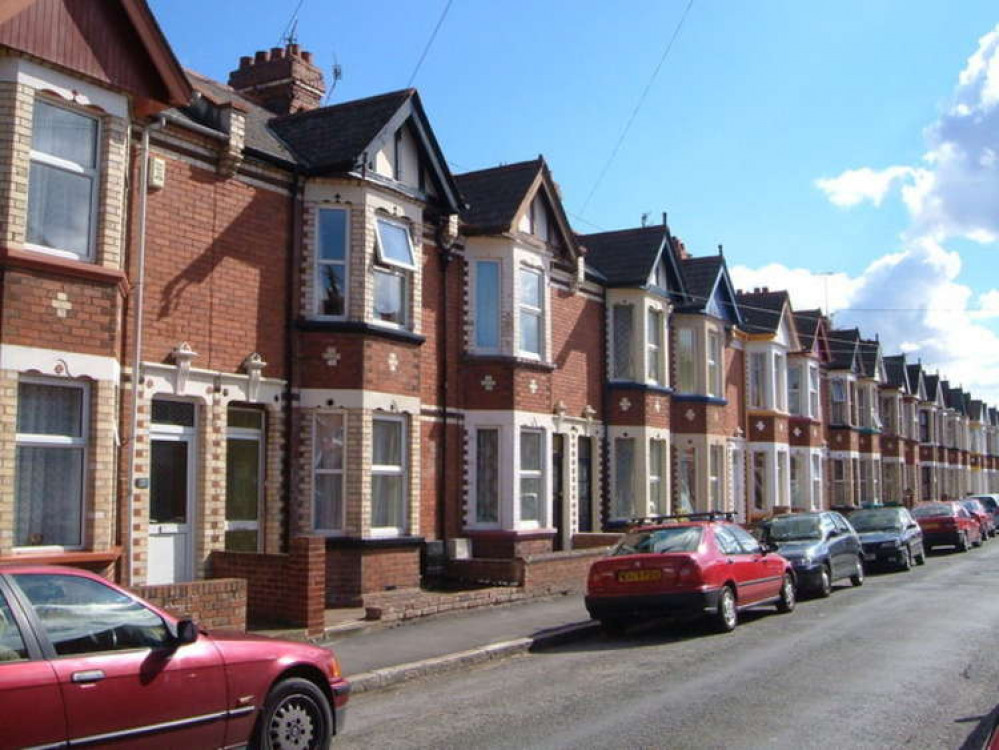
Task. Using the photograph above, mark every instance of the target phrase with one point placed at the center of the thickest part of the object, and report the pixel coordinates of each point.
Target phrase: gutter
(139, 288)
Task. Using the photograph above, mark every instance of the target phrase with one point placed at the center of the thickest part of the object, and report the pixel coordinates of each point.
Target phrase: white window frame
(655, 340)
(658, 497)
(682, 355)
(320, 263)
(816, 473)
(390, 470)
(341, 472)
(476, 520)
(379, 252)
(716, 473)
(795, 395)
(758, 380)
(527, 309)
(618, 372)
(814, 392)
(539, 474)
(92, 173)
(405, 281)
(716, 360)
(476, 265)
(31, 440)
(259, 435)
(780, 381)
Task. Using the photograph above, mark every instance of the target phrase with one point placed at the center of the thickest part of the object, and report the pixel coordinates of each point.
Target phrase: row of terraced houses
(247, 336)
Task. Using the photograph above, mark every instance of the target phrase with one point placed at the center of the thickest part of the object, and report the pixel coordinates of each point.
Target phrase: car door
(766, 570)
(119, 673)
(738, 564)
(31, 712)
(911, 533)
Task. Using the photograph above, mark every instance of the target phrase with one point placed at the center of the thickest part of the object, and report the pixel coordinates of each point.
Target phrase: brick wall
(577, 351)
(556, 573)
(281, 589)
(353, 572)
(219, 603)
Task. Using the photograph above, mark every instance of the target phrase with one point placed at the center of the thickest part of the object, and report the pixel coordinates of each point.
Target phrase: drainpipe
(446, 256)
(157, 124)
(291, 347)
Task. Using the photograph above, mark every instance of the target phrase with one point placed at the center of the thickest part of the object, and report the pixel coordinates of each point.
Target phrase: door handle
(87, 676)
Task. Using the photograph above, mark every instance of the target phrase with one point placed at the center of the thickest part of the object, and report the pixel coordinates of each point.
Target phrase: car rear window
(928, 511)
(789, 528)
(988, 502)
(883, 519)
(673, 539)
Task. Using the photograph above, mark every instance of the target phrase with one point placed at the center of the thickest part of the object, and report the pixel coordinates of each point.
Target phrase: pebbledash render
(233, 318)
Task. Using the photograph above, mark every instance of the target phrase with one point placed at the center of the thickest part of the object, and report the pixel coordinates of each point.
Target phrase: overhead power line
(638, 106)
(430, 42)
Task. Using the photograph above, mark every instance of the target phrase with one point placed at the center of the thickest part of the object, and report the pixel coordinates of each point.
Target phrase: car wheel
(906, 563)
(725, 615)
(857, 579)
(296, 716)
(825, 582)
(788, 598)
(962, 542)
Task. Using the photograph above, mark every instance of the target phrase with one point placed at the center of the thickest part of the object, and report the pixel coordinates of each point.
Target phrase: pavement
(374, 658)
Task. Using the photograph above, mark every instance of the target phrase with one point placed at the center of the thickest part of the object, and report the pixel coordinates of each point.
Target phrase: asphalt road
(907, 660)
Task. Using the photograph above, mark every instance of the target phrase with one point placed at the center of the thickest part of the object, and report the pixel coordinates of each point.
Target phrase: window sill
(353, 542)
(26, 556)
(698, 398)
(365, 329)
(34, 260)
(506, 359)
(634, 385)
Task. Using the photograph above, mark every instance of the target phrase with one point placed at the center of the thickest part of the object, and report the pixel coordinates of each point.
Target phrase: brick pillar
(16, 108)
(209, 520)
(101, 512)
(272, 513)
(307, 575)
(8, 457)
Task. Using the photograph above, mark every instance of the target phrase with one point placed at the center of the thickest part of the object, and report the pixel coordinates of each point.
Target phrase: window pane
(685, 353)
(49, 410)
(487, 476)
(687, 476)
(332, 287)
(168, 486)
(623, 332)
(332, 234)
(654, 324)
(329, 442)
(387, 443)
(11, 644)
(64, 134)
(180, 413)
(242, 540)
(242, 486)
(49, 490)
(328, 510)
(59, 208)
(393, 243)
(530, 451)
(759, 480)
(389, 297)
(487, 288)
(386, 502)
(250, 419)
(530, 332)
(82, 616)
(530, 499)
(624, 477)
(530, 288)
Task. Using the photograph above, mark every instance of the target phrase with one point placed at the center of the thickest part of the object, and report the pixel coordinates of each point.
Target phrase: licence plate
(635, 576)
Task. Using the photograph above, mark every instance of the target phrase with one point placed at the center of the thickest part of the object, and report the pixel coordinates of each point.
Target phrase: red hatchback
(947, 524)
(83, 662)
(708, 566)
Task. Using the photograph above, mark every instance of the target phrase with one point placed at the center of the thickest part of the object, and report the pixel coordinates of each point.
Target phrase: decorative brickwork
(16, 101)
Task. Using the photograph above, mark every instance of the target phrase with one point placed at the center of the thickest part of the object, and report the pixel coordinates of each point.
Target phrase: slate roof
(492, 196)
(897, 372)
(700, 276)
(761, 311)
(807, 323)
(994, 416)
(913, 372)
(869, 357)
(331, 139)
(842, 348)
(976, 410)
(932, 385)
(625, 257)
(953, 397)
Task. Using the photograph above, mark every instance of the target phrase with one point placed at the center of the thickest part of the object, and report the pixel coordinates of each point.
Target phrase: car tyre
(906, 563)
(857, 579)
(726, 615)
(296, 715)
(962, 542)
(788, 596)
(980, 542)
(825, 582)
(921, 557)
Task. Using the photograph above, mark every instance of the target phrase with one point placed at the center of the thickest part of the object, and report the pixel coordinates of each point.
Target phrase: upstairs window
(331, 262)
(780, 382)
(654, 345)
(395, 251)
(395, 248)
(814, 400)
(715, 387)
(63, 180)
(531, 312)
(924, 426)
(623, 332)
(757, 380)
(794, 390)
(686, 364)
(487, 305)
(840, 408)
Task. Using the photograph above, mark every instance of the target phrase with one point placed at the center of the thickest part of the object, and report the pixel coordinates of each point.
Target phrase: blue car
(890, 536)
(822, 547)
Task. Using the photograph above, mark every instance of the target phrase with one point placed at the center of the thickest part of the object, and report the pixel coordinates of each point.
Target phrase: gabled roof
(933, 390)
(870, 356)
(843, 345)
(953, 397)
(917, 380)
(898, 373)
(627, 257)
(707, 282)
(994, 416)
(336, 139)
(762, 310)
(976, 410)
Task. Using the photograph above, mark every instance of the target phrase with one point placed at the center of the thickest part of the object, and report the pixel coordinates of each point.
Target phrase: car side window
(12, 646)
(827, 525)
(82, 616)
(747, 541)
(727, 542)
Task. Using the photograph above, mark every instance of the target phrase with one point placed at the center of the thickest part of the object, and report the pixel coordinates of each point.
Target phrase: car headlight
(333, 666)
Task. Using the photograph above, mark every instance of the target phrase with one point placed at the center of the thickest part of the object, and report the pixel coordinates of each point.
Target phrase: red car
(947, 524)
(83, 662)
(708, 566)
(985, 520)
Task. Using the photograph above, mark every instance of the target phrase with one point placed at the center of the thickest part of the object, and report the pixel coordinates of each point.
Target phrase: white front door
(171, 485)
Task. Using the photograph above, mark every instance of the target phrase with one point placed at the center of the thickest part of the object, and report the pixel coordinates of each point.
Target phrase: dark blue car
(890, 536)
(822, 547)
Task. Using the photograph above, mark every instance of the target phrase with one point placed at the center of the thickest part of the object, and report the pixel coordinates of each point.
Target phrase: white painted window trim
(406, 280)
(474, 308)
(655, 351)
(381, 256)
(716, 369)
(539, 312)
(342, 472)
(541, 474)
(319, 263)
(60, 441)
(260, 436)
(402, 470)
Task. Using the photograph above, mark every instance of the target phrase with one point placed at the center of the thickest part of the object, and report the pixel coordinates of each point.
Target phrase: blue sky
(756, 102)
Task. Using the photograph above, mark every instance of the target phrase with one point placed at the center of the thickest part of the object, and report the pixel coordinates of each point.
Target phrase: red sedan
(947, 524)
(709, 566)
(83, 662)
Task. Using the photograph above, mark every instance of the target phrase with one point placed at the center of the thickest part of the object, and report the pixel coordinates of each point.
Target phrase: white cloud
(855, 186)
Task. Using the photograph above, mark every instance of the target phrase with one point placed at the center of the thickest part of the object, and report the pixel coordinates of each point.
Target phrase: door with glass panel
(558, 489)
(171, 492)
(244, 472)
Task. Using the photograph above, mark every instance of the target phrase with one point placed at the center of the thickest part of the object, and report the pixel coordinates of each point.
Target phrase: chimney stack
(681, 249)
(282, 79)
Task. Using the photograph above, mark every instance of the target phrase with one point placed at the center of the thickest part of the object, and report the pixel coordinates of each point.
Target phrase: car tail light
(599, 575)
(689, 573)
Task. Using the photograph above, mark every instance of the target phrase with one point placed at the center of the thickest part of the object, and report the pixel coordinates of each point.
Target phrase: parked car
(705, 566)
(889, 535)
(947, 524)
(823, 548)
(83, 661)
(981, 514)
(991, 504)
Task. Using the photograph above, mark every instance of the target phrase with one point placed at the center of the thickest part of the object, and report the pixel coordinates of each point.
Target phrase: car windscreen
(883, 519)
(674, 539)
(989, 502)
(973, 506)
(791, 528)
(929, 511)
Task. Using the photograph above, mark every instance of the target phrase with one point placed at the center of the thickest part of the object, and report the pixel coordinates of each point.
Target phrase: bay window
(623, 332)
(63, 180)
(657, 475)
(686, 361)
(532, 477)
(687, 478)
(715, 458)
(487, 475)
(50, 459)
(780, 382)
(840, 486)
(798, 484)
(794, 390)
(782, 478)
(715, 386)
(244, 478)
(814, 400)
(531, 312)
(392, 278)
(757, 380)
(623, 504)
(487, 305)
(840, 408)
(388, 475)
(816, 480)
(328, 472)
(331, 262)
(759, 480)
(654, 345)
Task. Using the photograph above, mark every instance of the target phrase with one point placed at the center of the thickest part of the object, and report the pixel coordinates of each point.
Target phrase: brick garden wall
(218, 603)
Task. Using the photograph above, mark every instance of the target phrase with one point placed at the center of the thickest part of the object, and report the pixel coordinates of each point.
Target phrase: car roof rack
(713, 515)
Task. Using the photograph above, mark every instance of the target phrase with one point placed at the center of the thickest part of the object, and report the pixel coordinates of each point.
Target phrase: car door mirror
(187, 632)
